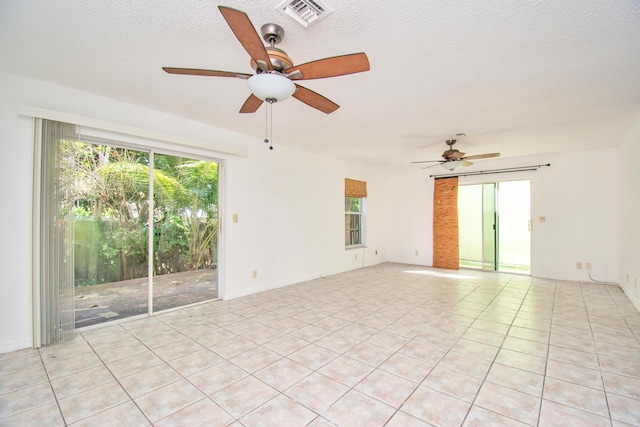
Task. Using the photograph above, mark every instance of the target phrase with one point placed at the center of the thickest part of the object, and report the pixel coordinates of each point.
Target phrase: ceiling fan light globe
(272, 86)
(452, 165)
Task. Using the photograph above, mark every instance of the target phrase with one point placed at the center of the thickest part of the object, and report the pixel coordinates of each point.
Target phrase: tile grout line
(604, 391)
(55, 396)
(546, 360)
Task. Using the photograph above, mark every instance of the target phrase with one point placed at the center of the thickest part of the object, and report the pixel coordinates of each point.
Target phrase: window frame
(361, 215)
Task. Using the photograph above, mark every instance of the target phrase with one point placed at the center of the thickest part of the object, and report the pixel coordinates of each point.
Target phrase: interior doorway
(494, 226)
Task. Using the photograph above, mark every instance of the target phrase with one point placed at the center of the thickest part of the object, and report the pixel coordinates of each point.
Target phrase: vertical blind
(54, 282)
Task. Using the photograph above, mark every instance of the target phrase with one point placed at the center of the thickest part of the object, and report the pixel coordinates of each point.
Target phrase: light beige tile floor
(391, 345)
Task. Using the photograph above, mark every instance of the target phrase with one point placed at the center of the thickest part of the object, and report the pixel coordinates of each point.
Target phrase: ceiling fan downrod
(272, 33)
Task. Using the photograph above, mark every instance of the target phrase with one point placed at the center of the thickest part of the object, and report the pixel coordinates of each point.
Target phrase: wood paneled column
(445, 223)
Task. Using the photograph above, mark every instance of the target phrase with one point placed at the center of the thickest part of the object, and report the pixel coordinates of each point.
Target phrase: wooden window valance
(353, 188)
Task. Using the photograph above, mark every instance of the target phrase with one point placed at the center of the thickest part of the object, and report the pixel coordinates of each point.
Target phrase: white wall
(410, 213)
(15, 225)
(290, 204)
(290, 223)
(578, 195)
(630, 215)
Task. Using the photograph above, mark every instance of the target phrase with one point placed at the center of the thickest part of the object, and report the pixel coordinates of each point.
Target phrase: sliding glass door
(494, 226)
(145, 229)
(185, 225)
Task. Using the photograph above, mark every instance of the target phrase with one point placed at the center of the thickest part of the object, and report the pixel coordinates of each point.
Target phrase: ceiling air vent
(305, 12)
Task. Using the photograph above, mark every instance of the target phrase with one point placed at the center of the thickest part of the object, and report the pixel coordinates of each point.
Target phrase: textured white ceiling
(519, 77)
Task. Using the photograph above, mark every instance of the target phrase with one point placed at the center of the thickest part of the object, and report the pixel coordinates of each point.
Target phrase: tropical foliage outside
(105, 189)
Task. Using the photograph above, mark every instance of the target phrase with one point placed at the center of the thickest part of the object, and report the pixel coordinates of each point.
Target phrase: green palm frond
(132, 179)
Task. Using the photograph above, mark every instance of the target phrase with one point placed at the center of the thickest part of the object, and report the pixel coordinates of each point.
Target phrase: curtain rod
(491, 171)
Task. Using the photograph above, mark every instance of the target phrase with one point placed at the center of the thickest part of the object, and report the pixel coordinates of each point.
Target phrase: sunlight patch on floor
(440, 274)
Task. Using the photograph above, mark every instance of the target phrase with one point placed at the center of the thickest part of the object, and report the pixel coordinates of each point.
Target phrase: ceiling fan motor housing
(452, 154)
(280, 61)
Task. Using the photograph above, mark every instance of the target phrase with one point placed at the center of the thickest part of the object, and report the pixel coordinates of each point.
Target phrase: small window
(353, 221)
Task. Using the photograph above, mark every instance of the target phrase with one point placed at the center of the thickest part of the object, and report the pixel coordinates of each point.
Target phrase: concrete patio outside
(118, 300)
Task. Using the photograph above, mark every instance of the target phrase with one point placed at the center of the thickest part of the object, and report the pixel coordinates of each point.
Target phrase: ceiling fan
(275, 73)
(454, 157)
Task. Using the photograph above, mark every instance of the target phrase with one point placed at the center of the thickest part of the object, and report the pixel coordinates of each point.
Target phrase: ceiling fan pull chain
(269, 123)
(266, 124)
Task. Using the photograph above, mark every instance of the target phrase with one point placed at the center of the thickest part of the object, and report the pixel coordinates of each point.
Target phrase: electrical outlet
(355, 256)
(579, 265)
(588, 266)
(255, 274)
(417, 252)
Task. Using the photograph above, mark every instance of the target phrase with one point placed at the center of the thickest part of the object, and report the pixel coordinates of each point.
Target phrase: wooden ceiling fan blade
(199, 72)
(251, 105)
(482, 156)
(331, 67)
(315, 100)
(247, 35)
(466, 163)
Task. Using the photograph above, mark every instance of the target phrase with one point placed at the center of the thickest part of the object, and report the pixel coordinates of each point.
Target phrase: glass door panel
(514, 237)
(108, 189)
(470, 225)
(185, 224)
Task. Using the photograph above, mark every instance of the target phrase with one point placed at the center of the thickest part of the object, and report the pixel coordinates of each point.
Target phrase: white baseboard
(7, 347)
(632, 297)
(232, 294)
